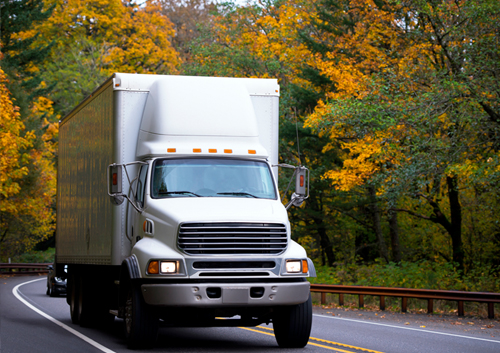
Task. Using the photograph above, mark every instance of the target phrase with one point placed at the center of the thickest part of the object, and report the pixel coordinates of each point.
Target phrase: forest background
(396, 105)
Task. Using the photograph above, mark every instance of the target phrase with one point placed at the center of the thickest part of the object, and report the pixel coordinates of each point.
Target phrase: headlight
(297, 266)
(156, 267)
(293, 266)
(169, 267)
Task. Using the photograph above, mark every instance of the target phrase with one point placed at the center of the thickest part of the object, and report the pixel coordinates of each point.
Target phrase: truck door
(138, 193)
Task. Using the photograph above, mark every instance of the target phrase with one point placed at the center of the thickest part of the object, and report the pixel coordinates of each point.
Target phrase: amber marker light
(252, 152)
(171, 150)
(153, 268)
(228, 151)
(196, 150)
(212, 150)
(305, 267)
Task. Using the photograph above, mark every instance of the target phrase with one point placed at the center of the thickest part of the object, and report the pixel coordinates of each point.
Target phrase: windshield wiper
(237, 193)
(178, 193)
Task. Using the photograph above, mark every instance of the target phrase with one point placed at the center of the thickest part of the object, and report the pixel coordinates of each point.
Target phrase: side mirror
(301, 187)
(115, 184)
(301, 181)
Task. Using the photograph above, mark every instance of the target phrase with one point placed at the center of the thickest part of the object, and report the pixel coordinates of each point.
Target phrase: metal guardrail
(23, 269)
(404, 293)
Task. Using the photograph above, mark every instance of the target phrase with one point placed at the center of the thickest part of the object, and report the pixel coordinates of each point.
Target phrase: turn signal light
(305, 267)
(153, 268)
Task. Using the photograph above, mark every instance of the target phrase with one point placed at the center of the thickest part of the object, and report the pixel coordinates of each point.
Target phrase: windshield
(212, 177)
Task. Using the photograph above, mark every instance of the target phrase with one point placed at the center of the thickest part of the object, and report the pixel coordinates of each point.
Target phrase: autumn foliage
(396, 105)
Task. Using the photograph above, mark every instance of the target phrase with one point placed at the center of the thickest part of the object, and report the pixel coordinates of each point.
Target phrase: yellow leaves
(117, 36)
(363, 159)
(144, 42)
(11, 145)
(269, 34)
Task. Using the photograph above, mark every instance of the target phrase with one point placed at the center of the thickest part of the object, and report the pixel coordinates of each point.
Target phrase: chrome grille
(232, 238)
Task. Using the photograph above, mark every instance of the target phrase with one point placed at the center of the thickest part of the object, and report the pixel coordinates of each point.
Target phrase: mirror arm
(119, 196)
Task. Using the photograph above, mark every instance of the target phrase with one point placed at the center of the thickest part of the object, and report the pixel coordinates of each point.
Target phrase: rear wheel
(93, 304)
(292, 325)
(141, 323)
(74, 307)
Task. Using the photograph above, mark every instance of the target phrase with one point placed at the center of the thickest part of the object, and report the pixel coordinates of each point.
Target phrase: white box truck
(168, 210)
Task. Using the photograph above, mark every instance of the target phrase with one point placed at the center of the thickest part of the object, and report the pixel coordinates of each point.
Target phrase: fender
(130, 268)
(129, 272)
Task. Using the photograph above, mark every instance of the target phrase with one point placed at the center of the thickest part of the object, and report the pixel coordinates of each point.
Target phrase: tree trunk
(324, 240)
(456, 222)
(394, 231)
(375, 213)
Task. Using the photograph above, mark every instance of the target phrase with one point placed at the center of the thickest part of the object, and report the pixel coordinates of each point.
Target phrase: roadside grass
(34, 257)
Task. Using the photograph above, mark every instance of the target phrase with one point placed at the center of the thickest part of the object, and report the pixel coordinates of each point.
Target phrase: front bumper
(226, 294)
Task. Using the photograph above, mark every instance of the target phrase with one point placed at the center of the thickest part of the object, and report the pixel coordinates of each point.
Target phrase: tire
(74, 300)
(48, 290)
(292, 325)
(141, 323)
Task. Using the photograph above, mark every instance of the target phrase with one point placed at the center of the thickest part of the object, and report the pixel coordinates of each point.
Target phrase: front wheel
(292, 325)
(141, 323)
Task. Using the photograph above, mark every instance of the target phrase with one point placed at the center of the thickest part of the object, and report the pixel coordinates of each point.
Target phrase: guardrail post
(361, 301)
(382, 302)
(491, 310)
(460, 308)
(323, 298)
(341, 299)
(404, 304)
(430, 306)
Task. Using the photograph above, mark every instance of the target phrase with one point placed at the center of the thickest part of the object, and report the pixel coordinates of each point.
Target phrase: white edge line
(15, 291)
(409, 328)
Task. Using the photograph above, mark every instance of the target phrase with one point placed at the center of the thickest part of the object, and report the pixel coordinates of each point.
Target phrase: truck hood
(174, 211)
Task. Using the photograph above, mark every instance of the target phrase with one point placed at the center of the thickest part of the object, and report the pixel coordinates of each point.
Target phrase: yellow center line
(254, 330)
(317, 339)
(314, 344)
(330, 348)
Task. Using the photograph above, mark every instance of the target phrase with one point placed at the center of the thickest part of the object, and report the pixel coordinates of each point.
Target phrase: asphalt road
(30, 321)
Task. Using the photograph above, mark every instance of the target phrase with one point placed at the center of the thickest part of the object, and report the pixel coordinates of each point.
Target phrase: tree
(96, 38)
(188, 18)
(27, 178)
(416, 104)
(20, 55)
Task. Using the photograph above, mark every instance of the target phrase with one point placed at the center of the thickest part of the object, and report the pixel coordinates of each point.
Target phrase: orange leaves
(119, 36)
(11, 145)
(268, 35)
(143, 42)
(362, 159)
